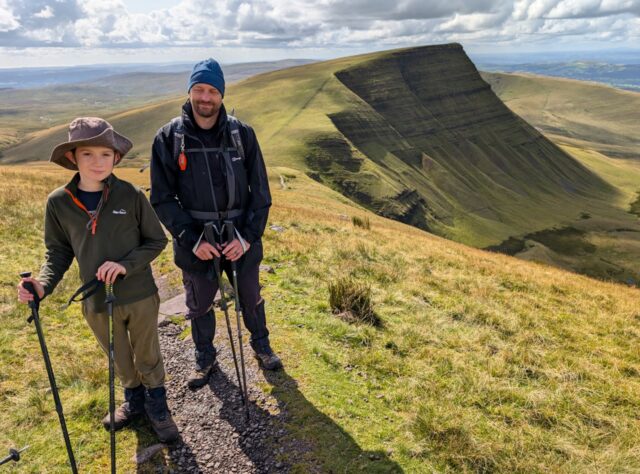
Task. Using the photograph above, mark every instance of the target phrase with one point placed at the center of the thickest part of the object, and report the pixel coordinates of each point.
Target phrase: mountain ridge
(415, 135)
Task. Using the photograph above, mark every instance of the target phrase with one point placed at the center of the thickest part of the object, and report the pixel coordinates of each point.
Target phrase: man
(206, 166)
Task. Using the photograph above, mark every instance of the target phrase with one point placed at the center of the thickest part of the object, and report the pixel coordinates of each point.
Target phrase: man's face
(206, 100)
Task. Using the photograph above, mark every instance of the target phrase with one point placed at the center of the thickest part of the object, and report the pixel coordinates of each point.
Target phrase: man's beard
(206, 112)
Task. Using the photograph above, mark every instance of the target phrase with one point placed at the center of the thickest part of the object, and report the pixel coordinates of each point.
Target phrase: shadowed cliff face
(452, 149)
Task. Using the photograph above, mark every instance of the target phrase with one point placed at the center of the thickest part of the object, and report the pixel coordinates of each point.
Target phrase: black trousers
(200, 290)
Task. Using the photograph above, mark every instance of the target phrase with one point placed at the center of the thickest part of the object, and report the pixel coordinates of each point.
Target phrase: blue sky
(68, 32)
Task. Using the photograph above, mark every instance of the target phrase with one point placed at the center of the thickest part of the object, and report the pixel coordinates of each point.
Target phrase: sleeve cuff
(128, 269)
(195, 247)
(47, 290)
(187, 238)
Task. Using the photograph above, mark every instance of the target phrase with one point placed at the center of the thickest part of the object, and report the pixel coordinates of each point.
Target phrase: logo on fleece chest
(120, 222)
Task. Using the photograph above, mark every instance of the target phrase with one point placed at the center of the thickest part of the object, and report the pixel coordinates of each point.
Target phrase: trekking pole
(210, 237)
(112, 397)
(14, 455)
(234, 271)
(35, 317)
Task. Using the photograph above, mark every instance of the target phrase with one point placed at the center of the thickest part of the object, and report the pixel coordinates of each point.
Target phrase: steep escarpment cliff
(459, 158)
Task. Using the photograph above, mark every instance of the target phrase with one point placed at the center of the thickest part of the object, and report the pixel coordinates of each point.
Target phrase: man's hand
(109, 271)
(24, 295)
(233, 250)
(206, 251)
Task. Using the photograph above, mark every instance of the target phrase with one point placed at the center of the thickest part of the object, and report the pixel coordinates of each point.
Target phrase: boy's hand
(206, 251)
(24, 295)
(233, 250)
(109, 271)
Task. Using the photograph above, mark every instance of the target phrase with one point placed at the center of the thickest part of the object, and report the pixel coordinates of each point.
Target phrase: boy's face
(94, 163)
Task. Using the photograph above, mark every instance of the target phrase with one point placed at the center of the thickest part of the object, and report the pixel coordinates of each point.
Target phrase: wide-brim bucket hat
(90, 131)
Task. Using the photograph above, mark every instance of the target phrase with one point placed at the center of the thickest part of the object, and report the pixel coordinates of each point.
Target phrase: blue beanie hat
(207, 72)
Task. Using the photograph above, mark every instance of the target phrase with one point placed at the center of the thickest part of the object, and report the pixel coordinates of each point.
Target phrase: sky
(72, 32)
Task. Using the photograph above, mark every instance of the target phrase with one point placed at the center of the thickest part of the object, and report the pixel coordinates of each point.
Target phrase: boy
(109, 226)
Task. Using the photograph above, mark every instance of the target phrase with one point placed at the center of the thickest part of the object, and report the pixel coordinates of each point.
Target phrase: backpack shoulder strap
(234, 129)
(177, 128)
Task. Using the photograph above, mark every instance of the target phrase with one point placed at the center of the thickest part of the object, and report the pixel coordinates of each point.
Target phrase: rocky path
(215, 436)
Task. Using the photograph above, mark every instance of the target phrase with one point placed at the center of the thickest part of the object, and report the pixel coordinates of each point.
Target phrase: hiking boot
(205, 361)
(159, 415)
(132, 408)
(266, 357)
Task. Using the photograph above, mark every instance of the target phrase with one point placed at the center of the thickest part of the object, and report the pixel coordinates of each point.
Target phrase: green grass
(351, 301)
(484, 363)
(585, 114)
(624, 174)
(361, 222)
(605, 241)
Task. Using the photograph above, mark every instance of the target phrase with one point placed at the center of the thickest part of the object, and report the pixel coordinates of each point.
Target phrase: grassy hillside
(416, 135)
(585, 114)
(25, 111)
(595, 124)
(484, 363)
(139, 124)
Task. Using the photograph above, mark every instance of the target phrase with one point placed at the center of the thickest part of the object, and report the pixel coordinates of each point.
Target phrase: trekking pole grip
(231, 231)
(30, 288)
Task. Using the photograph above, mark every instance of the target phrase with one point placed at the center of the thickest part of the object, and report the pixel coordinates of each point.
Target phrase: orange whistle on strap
(182, 161)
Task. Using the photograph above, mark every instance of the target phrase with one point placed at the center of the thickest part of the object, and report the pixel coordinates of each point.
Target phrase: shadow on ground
(311, 454)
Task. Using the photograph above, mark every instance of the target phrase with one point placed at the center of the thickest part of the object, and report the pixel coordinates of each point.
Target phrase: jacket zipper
(93, 218)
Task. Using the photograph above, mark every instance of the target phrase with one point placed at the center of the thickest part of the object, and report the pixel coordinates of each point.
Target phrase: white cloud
(535, 9)
(8, 21)
(312, 23)
(46, 12)
(473, 22)
(592, 8)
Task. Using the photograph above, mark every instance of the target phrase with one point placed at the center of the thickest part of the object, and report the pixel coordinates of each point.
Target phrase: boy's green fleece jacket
(127, 231)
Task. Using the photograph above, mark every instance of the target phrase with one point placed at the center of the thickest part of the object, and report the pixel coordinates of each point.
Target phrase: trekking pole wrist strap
(242, 241)
(86, 290)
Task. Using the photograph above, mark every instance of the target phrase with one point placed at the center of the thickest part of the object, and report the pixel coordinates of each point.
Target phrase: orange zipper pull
(182, 159)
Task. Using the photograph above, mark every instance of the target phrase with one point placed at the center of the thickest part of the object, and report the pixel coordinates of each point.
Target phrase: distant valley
(40, 98)
(623, 76)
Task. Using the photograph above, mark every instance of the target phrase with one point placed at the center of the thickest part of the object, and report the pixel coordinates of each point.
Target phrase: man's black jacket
(174, 192)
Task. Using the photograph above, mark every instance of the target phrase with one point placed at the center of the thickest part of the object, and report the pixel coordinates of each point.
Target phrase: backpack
(178, 136)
